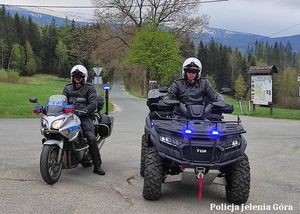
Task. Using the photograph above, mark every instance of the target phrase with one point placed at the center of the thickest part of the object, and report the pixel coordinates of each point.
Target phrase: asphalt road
(273, 150)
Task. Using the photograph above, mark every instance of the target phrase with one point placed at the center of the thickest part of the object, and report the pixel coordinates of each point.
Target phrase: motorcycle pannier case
(104, 125)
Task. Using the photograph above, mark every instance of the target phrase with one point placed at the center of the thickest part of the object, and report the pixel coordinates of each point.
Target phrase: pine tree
(19, 26)
(3, 47)
(62, 56)
(203, 57)
(48, 46)
(2, 12)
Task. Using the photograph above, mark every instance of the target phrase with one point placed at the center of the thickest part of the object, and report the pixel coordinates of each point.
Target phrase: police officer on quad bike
(191, 88)
(80, 88)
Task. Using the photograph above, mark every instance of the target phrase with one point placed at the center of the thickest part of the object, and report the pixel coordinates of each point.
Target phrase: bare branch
(137, 11)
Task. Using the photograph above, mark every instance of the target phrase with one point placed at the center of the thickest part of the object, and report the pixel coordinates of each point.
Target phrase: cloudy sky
(272, 18)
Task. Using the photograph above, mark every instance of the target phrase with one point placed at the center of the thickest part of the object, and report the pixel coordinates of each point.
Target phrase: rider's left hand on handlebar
(81, 113)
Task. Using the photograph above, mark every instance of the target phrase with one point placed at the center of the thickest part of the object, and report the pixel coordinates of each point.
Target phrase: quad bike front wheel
(50, 169)
(238, 181)
(143, 155)
(153, 175)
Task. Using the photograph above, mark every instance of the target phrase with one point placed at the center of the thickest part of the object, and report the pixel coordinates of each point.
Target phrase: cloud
(292, 4)
(267, 17)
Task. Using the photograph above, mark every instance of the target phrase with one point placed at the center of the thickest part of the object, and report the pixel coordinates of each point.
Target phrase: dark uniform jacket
(87, 91)
(192, 93)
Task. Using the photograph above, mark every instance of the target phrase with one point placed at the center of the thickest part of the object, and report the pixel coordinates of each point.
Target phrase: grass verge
(14, 98)
(262, 111)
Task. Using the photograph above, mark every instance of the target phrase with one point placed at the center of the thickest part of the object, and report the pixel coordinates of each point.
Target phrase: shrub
(3, 76)
(13, 76)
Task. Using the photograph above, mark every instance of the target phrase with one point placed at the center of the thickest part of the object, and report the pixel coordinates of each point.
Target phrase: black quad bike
(179, 137)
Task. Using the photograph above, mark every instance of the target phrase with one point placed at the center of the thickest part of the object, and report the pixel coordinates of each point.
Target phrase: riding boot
(98, 170)
(96, 160)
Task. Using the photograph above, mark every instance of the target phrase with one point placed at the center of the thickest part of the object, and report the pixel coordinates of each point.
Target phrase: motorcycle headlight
(56, 124)
(44, 123)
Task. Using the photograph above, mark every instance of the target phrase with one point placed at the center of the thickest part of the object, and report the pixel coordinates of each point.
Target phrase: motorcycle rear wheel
(50, 169)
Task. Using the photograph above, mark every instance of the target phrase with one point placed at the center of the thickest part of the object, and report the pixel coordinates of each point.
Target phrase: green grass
(135, 94)
(261, 111)
(14, 98)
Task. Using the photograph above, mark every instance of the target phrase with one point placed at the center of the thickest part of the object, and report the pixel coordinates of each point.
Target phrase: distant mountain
(230, 38)
(294, 40)
(40, 18)
(240, 40)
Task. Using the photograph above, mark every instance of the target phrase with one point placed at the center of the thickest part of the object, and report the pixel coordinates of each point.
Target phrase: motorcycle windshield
(55, 105)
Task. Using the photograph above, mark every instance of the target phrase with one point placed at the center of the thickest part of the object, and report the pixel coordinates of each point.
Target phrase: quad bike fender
(154, 138)
(54, 142)
(243, 144)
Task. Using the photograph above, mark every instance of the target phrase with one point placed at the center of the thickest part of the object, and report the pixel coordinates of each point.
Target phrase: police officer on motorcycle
(80, 88)
(191, 88)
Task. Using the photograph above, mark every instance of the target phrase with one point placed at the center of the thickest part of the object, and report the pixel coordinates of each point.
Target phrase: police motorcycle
(64, 146)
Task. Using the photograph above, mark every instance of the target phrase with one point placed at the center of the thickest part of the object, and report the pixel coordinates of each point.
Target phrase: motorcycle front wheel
(50, 169)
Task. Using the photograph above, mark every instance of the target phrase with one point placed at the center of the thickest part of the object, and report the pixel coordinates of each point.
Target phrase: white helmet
(77, 69)
(192, 64)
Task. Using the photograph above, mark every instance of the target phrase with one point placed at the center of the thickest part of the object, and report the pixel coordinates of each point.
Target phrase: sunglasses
(192, 71)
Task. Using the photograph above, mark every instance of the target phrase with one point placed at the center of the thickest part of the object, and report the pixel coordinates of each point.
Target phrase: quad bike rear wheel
(153, 175)
(238, 181)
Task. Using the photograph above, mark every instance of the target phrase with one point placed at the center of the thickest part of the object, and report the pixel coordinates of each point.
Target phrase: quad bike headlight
(169, 140)
(57, 124)
(235, 143)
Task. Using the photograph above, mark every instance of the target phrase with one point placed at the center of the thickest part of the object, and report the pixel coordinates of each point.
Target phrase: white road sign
(97, 70)
(97, 80)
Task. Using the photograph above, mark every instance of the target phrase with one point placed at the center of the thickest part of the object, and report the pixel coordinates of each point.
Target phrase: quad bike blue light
(215, 132)
(188, 131)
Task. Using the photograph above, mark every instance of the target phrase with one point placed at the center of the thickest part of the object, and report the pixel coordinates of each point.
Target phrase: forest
(143, 52)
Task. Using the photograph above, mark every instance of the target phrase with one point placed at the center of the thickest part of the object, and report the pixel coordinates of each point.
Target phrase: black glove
(82, 113)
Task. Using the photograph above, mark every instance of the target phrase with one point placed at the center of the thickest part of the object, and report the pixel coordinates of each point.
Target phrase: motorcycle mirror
(220, 103)
(163, 89)
(33, 100)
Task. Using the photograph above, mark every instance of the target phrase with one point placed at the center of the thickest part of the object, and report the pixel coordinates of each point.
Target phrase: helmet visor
(194, 70)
